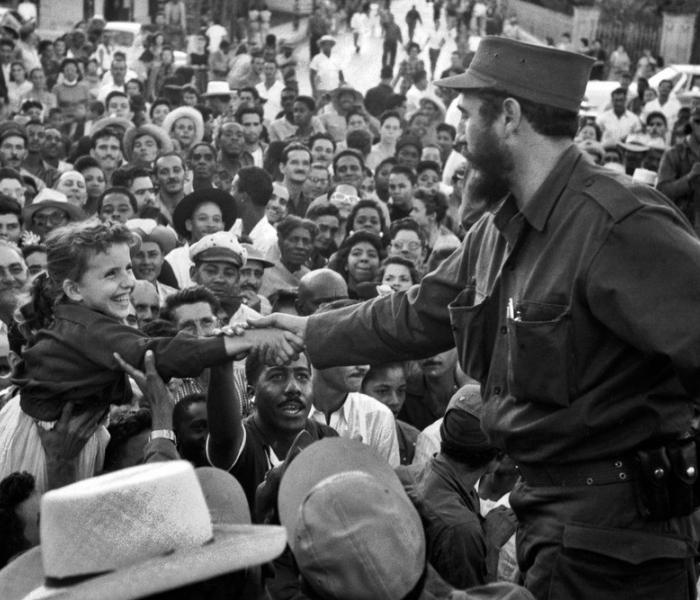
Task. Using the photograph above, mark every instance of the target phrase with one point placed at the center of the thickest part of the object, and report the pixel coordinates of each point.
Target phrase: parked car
(686, 87)
(128, 37)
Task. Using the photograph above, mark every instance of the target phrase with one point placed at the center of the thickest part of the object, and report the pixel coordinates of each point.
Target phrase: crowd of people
(263, 344)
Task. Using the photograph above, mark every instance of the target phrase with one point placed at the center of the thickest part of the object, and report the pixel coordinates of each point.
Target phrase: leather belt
(601, 472)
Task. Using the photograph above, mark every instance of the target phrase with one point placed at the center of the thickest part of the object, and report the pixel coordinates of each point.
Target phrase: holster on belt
(668, 483)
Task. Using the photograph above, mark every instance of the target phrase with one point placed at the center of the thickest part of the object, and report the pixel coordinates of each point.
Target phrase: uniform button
(504, 329)
(497, 390)
(588, 182)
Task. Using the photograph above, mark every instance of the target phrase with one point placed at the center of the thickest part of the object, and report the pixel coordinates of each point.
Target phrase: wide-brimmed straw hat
(162, 139)
(218, 88)
(191, 113)
(134, 533)
(50, 198)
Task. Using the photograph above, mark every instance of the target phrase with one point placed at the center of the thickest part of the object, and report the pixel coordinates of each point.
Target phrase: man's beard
(487, 180)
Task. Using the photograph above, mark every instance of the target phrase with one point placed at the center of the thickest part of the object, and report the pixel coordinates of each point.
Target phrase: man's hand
(275, 346)
(293, 323)
(70, 434)
(156, 395)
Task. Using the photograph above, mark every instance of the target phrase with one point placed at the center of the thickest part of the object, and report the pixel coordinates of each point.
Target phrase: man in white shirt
(116, 78)
(325, 73)
(666, 103)
(338, 403)
(270, 88)
(618, 122)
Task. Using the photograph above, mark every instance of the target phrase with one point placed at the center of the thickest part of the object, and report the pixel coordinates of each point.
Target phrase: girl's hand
(275, 346)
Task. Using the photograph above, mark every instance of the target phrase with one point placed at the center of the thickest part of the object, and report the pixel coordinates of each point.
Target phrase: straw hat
(164, 142)
(218, 88)
(50, 198)
(190, 113)
(133, 533)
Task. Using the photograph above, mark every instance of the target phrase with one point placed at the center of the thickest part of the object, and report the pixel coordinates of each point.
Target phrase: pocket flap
(629, 545)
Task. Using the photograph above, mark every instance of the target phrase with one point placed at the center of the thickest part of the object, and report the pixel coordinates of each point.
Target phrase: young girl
(74, 326)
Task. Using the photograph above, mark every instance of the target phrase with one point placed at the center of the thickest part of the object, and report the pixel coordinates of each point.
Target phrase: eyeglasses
(412, 246)
(54, 218)
(318, 180)
(343, 198)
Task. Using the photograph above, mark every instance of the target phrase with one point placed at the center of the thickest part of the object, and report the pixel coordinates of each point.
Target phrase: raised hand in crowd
(62, 444)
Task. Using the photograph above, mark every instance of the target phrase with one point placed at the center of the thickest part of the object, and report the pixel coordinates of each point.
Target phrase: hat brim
(234, 547)
(469, 81)
(186, 206)
(190, 113)
(111, 122)
(320, 460)
(74, 212)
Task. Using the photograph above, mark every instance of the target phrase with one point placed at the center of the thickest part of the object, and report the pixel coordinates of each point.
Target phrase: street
(362, 69)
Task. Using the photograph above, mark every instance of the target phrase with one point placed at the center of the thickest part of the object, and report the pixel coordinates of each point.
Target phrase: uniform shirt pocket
(541, 365)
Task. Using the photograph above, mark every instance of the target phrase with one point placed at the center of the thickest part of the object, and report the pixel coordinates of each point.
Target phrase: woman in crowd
(72, 184)
(357, 260)
(366, 215)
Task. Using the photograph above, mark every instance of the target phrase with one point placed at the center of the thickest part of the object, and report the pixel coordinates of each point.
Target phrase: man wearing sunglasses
(679, 172)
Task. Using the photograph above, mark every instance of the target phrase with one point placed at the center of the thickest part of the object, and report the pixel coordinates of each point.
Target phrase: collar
(537, 211)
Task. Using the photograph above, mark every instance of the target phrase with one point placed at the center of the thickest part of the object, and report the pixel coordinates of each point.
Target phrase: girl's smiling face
(106, 284)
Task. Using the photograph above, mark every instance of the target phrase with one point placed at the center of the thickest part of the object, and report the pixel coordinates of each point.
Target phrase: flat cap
(537, 73)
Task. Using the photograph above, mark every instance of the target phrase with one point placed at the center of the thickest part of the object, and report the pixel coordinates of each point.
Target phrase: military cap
(537, 73)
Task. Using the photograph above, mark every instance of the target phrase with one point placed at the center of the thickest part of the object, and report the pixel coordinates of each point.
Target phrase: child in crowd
(73, 326)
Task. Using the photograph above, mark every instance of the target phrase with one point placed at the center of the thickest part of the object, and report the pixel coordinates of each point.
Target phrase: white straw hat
(133, 533)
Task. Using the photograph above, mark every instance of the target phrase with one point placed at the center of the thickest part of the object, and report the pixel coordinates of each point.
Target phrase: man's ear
(512, 113)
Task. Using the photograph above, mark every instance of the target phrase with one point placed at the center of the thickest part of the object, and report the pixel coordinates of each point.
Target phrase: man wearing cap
(325, 73)
(216, 263)
(444, 493)
(679, 172)
(584, 386)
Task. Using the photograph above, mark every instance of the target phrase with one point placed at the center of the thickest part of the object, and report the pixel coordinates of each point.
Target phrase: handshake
(277, 339)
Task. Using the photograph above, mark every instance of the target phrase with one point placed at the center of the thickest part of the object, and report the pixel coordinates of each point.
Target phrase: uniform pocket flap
(631, 546)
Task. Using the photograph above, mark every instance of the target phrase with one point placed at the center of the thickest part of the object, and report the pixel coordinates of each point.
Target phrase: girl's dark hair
(339, 261)
(68, 250)
(404, 262)
(159, 102)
